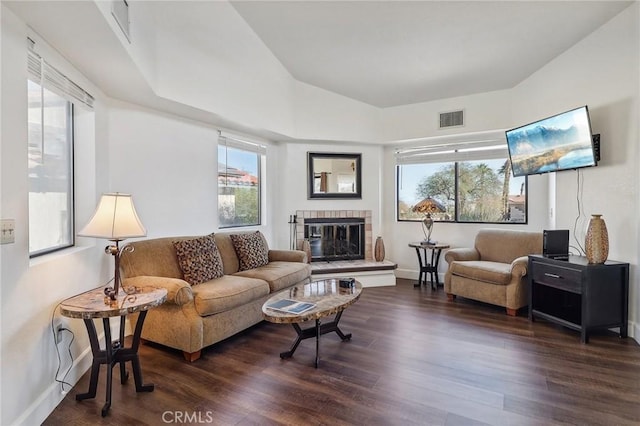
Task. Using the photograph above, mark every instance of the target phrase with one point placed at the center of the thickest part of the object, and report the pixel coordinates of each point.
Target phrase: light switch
(8, 231)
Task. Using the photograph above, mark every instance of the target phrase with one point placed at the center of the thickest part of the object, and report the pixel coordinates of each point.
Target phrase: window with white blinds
(467, 178)
(50, 78)
(467, 147)
(50, 102)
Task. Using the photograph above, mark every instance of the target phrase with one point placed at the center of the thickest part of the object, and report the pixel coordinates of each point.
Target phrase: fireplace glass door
(335, 239)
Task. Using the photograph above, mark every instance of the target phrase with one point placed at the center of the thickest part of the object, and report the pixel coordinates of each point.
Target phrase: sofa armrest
(178, 291)
(461, 254)
(519, 266)
(287, 256)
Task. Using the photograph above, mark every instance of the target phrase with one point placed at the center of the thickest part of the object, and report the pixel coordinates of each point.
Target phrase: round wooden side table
(94, 304)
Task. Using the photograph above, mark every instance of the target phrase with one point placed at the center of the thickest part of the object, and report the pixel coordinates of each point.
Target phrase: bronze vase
(378, 252)
(597, 240)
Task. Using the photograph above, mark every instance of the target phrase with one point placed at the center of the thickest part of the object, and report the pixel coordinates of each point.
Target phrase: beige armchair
(494, 270)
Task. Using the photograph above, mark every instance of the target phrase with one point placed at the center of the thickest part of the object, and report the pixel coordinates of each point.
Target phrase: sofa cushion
(279, 275)
(227, 253)
(251, 249)
(227, 292)
(480, 270)
(154, 257)
(199, 259)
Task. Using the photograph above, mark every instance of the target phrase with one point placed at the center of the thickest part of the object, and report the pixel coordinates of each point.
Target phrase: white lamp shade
(115, 218)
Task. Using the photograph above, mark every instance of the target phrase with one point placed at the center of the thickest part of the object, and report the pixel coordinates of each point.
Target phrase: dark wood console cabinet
(579, 295)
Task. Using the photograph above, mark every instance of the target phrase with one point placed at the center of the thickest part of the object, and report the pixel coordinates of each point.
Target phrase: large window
(52, 99)
(477, 190)
(238, 183)
(50, 119)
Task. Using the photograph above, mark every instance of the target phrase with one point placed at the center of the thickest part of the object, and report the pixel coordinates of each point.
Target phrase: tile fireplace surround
(313, 214)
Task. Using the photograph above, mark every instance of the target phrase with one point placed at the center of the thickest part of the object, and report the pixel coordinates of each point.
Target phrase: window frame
(70, 130)
(49, 78)
(455, 218)
(237, 145)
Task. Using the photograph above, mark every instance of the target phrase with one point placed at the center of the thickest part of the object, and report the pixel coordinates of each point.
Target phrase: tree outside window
(238, 187)
(474, 191)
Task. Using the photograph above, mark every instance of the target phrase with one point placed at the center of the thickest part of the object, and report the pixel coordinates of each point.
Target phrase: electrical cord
(62, 381)
(579, 192)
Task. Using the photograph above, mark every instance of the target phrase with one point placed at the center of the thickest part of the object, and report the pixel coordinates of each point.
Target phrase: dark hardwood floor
(414, 359)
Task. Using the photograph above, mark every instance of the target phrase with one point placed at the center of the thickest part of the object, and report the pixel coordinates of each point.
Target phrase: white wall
(249, 86)
(169, 165)
(321, 115)
(601, 71)
(292, 189)
(31, 289)
(483, 111)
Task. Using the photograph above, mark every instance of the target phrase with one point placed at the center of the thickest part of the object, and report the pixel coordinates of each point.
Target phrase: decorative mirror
(334, 175)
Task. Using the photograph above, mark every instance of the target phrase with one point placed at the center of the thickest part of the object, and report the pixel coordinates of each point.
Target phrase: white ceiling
(383, 53)
(389, 53)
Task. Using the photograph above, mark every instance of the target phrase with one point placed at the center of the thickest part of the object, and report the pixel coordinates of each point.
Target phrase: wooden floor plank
(414, 359)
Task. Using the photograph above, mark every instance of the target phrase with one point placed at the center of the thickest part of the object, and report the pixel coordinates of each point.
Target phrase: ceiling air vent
(451, 119)
(120, 11)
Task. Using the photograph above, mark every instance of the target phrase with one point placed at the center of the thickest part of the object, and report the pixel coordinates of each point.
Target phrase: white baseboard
(40, 409)
(44, 405)
(411, 274)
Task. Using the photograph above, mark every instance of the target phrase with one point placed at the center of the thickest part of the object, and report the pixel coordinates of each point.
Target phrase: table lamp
(426, 207)
(115, 219)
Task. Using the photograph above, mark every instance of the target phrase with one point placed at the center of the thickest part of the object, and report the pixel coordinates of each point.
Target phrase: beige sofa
(197, 316)
(494, 270)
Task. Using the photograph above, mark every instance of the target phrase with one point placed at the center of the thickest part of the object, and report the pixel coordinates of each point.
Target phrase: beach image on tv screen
(556, 143)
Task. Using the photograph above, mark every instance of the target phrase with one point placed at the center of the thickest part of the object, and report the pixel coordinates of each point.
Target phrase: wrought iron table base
(316, 331)
(114, 354)
(430, 268)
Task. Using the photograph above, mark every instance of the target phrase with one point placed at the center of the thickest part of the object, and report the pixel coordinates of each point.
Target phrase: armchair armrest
(519, 266)
(287, 256)
(178, 291)
(461, 254)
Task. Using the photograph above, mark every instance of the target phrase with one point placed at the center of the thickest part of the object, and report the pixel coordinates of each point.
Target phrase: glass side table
(94, 304)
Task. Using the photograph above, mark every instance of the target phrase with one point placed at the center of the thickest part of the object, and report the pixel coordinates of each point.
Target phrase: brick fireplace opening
(366, 270)
(335, 234)
(335, 238)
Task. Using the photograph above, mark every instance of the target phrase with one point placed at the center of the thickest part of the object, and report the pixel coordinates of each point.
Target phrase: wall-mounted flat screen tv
(560, 142)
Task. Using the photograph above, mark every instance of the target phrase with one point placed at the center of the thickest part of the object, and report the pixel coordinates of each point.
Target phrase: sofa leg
(451, 297)
(512, 312)
(191, 356)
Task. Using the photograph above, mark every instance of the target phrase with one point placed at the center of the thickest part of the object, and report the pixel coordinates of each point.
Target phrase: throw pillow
(199, 259)
(251, 249)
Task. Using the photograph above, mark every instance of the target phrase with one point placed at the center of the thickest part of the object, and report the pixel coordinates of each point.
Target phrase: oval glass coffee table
(327, 296)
